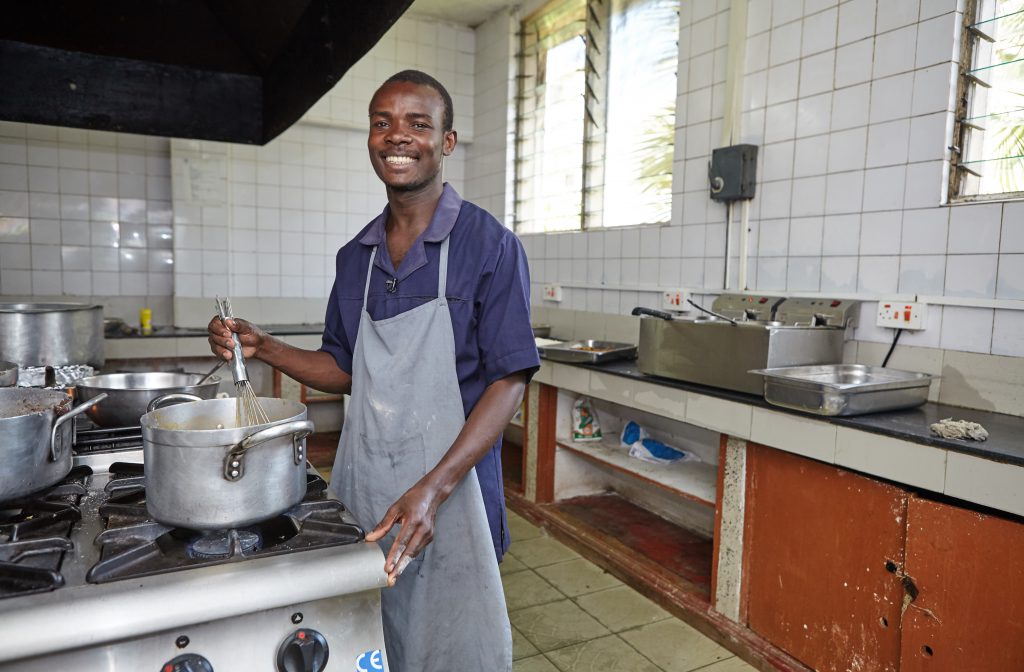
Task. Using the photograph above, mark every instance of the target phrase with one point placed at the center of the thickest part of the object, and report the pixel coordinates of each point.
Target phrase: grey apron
(447, 610)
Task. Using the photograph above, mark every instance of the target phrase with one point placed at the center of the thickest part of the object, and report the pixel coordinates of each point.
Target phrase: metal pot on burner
(206, 472)
(35, 438)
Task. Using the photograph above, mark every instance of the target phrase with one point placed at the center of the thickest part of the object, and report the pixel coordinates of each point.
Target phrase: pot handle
(176, 396)
(640, 310)
(67, 417)
(234, 463)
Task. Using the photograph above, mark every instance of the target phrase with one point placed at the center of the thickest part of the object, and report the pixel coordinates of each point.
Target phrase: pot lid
(227, 70)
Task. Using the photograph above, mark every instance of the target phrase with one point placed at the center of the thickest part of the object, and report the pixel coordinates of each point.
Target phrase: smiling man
(428, 328)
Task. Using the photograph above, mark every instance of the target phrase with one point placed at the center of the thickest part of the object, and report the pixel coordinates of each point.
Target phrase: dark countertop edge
(188, 332)
(1006, 432)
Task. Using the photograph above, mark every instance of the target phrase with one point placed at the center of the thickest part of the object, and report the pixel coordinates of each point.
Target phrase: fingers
(389, 520)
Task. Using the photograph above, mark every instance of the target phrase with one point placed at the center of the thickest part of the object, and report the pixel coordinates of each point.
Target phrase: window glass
(643, 57)
(992, 125)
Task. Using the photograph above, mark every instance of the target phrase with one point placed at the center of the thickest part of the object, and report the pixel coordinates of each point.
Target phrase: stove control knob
(303, 651)
(189, 662)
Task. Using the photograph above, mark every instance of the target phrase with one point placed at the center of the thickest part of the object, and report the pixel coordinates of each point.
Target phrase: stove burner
(134, 545)
(34, 536)
(89, 439)
(224, 544)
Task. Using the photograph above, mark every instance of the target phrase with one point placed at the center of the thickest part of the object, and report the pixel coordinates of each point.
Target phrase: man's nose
(397, 136)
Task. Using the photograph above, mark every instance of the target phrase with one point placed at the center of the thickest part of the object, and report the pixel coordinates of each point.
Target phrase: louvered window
(988, 154)
(596, 114)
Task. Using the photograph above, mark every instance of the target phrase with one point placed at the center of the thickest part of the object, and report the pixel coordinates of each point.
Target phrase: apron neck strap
(369, 272)
(442, 273)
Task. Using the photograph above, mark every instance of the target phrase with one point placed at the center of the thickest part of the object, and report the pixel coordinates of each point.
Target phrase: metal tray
(844, 389)
(573, 352)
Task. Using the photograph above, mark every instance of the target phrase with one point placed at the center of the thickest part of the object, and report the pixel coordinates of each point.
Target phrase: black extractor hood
(231, 70)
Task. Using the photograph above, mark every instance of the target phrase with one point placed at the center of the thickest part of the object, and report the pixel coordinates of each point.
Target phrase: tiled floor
(569, 615)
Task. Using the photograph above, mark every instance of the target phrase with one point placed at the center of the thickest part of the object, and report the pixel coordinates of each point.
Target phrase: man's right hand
(222, 345)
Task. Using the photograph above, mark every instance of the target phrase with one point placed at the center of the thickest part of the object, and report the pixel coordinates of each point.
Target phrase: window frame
(961, 129)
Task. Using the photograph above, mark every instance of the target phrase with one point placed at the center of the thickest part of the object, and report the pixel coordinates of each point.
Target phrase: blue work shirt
(488, 292)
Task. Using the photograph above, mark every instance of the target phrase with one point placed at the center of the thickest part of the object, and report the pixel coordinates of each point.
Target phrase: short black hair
(418, 77)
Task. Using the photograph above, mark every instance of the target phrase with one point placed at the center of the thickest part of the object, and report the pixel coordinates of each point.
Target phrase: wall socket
(674, 300)
(902, 315)
(553, 293)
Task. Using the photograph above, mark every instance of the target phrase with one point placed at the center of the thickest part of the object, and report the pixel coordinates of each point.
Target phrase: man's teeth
(399, 160)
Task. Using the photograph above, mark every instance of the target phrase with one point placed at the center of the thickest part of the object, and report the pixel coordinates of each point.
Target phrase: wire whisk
(248, 410)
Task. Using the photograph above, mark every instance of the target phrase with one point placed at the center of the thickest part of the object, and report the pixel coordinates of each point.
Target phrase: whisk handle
(238, 371)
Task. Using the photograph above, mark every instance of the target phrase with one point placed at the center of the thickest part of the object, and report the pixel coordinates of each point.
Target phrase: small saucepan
(131, 393)
(35, 438)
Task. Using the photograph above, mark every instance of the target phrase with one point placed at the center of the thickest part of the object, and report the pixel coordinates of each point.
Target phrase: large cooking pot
(51, 334)
(129, 394)
(205, 472)
(35, 439)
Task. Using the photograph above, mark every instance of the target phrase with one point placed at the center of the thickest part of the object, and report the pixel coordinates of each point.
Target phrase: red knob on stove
(304, 650)
(189, 662)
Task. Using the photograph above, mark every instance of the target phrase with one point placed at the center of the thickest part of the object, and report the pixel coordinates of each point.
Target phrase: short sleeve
(335, 340)
(504, 334)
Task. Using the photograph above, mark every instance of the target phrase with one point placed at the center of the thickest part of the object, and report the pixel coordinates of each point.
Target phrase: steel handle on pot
(234, 463)
(175, 396)
(67, 417)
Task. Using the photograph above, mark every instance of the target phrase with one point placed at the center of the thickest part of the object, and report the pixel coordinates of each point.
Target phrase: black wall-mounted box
(732, 172)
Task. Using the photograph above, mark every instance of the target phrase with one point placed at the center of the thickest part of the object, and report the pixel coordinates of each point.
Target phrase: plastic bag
(585, 426)
(631, 433)
(652, 450)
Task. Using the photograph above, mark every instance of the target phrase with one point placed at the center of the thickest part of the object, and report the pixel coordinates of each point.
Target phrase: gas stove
(89, 581)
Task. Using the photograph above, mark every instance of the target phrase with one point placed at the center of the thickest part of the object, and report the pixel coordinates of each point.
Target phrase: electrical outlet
(674, 300)
(553, 293)
(902, 315)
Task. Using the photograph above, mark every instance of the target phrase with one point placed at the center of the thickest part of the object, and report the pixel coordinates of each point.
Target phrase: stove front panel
(350, 625)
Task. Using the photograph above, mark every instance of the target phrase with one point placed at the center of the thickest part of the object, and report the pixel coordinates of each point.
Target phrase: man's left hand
(415, 512)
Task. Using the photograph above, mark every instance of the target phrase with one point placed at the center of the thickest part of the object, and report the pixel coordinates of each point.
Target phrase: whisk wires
(248, 410)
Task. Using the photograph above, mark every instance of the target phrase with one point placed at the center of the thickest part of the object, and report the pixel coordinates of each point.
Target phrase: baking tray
(844, 389)
(588, 352)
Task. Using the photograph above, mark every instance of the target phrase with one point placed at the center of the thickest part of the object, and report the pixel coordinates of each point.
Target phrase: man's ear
(451, 138)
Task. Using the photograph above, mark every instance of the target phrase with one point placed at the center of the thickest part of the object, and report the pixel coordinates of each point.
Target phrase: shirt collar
(441, 224)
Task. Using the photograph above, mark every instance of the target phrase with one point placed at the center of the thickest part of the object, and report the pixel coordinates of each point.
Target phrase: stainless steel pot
(35, 439)
(53, 334)
(129, 394)
(204, 472)
(8, 374)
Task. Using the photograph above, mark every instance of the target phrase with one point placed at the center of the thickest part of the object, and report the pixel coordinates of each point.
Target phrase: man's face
(407, 139)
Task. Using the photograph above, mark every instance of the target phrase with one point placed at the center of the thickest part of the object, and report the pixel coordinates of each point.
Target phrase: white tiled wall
(84, 213)
(850, 104)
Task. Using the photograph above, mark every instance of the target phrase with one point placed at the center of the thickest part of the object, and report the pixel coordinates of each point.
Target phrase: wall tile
(878, 275)
(975, 228)
(1010, 279)
(1008, 333)
(847, 150)
(880, 232)
(894, 50)
(922, 274)
(968, 329)
(851, 107)
(933, 43)
(891, 98)
(888, 143)
(971, 275)
(856, 20)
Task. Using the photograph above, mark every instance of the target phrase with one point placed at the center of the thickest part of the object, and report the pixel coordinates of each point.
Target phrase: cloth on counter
(959, 429)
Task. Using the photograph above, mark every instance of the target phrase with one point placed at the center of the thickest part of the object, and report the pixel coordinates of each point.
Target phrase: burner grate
(134, 545)
(34, 535)
(90, 439)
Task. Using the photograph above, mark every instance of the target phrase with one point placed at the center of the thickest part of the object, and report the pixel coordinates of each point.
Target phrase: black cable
(892, 347)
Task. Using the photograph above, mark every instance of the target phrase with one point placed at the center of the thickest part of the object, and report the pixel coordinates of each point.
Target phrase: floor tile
(534, 664)
(675, 646)
(578, 577)
(621, 608)
(521, 529)
(555, 625)
(730, 665)
(510, 565)
(521, 646)
(541, 551)
(607, 654)
(528, 589)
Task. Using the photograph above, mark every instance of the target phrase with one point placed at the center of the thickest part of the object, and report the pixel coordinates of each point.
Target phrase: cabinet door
(816, 546)
(968, 569)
